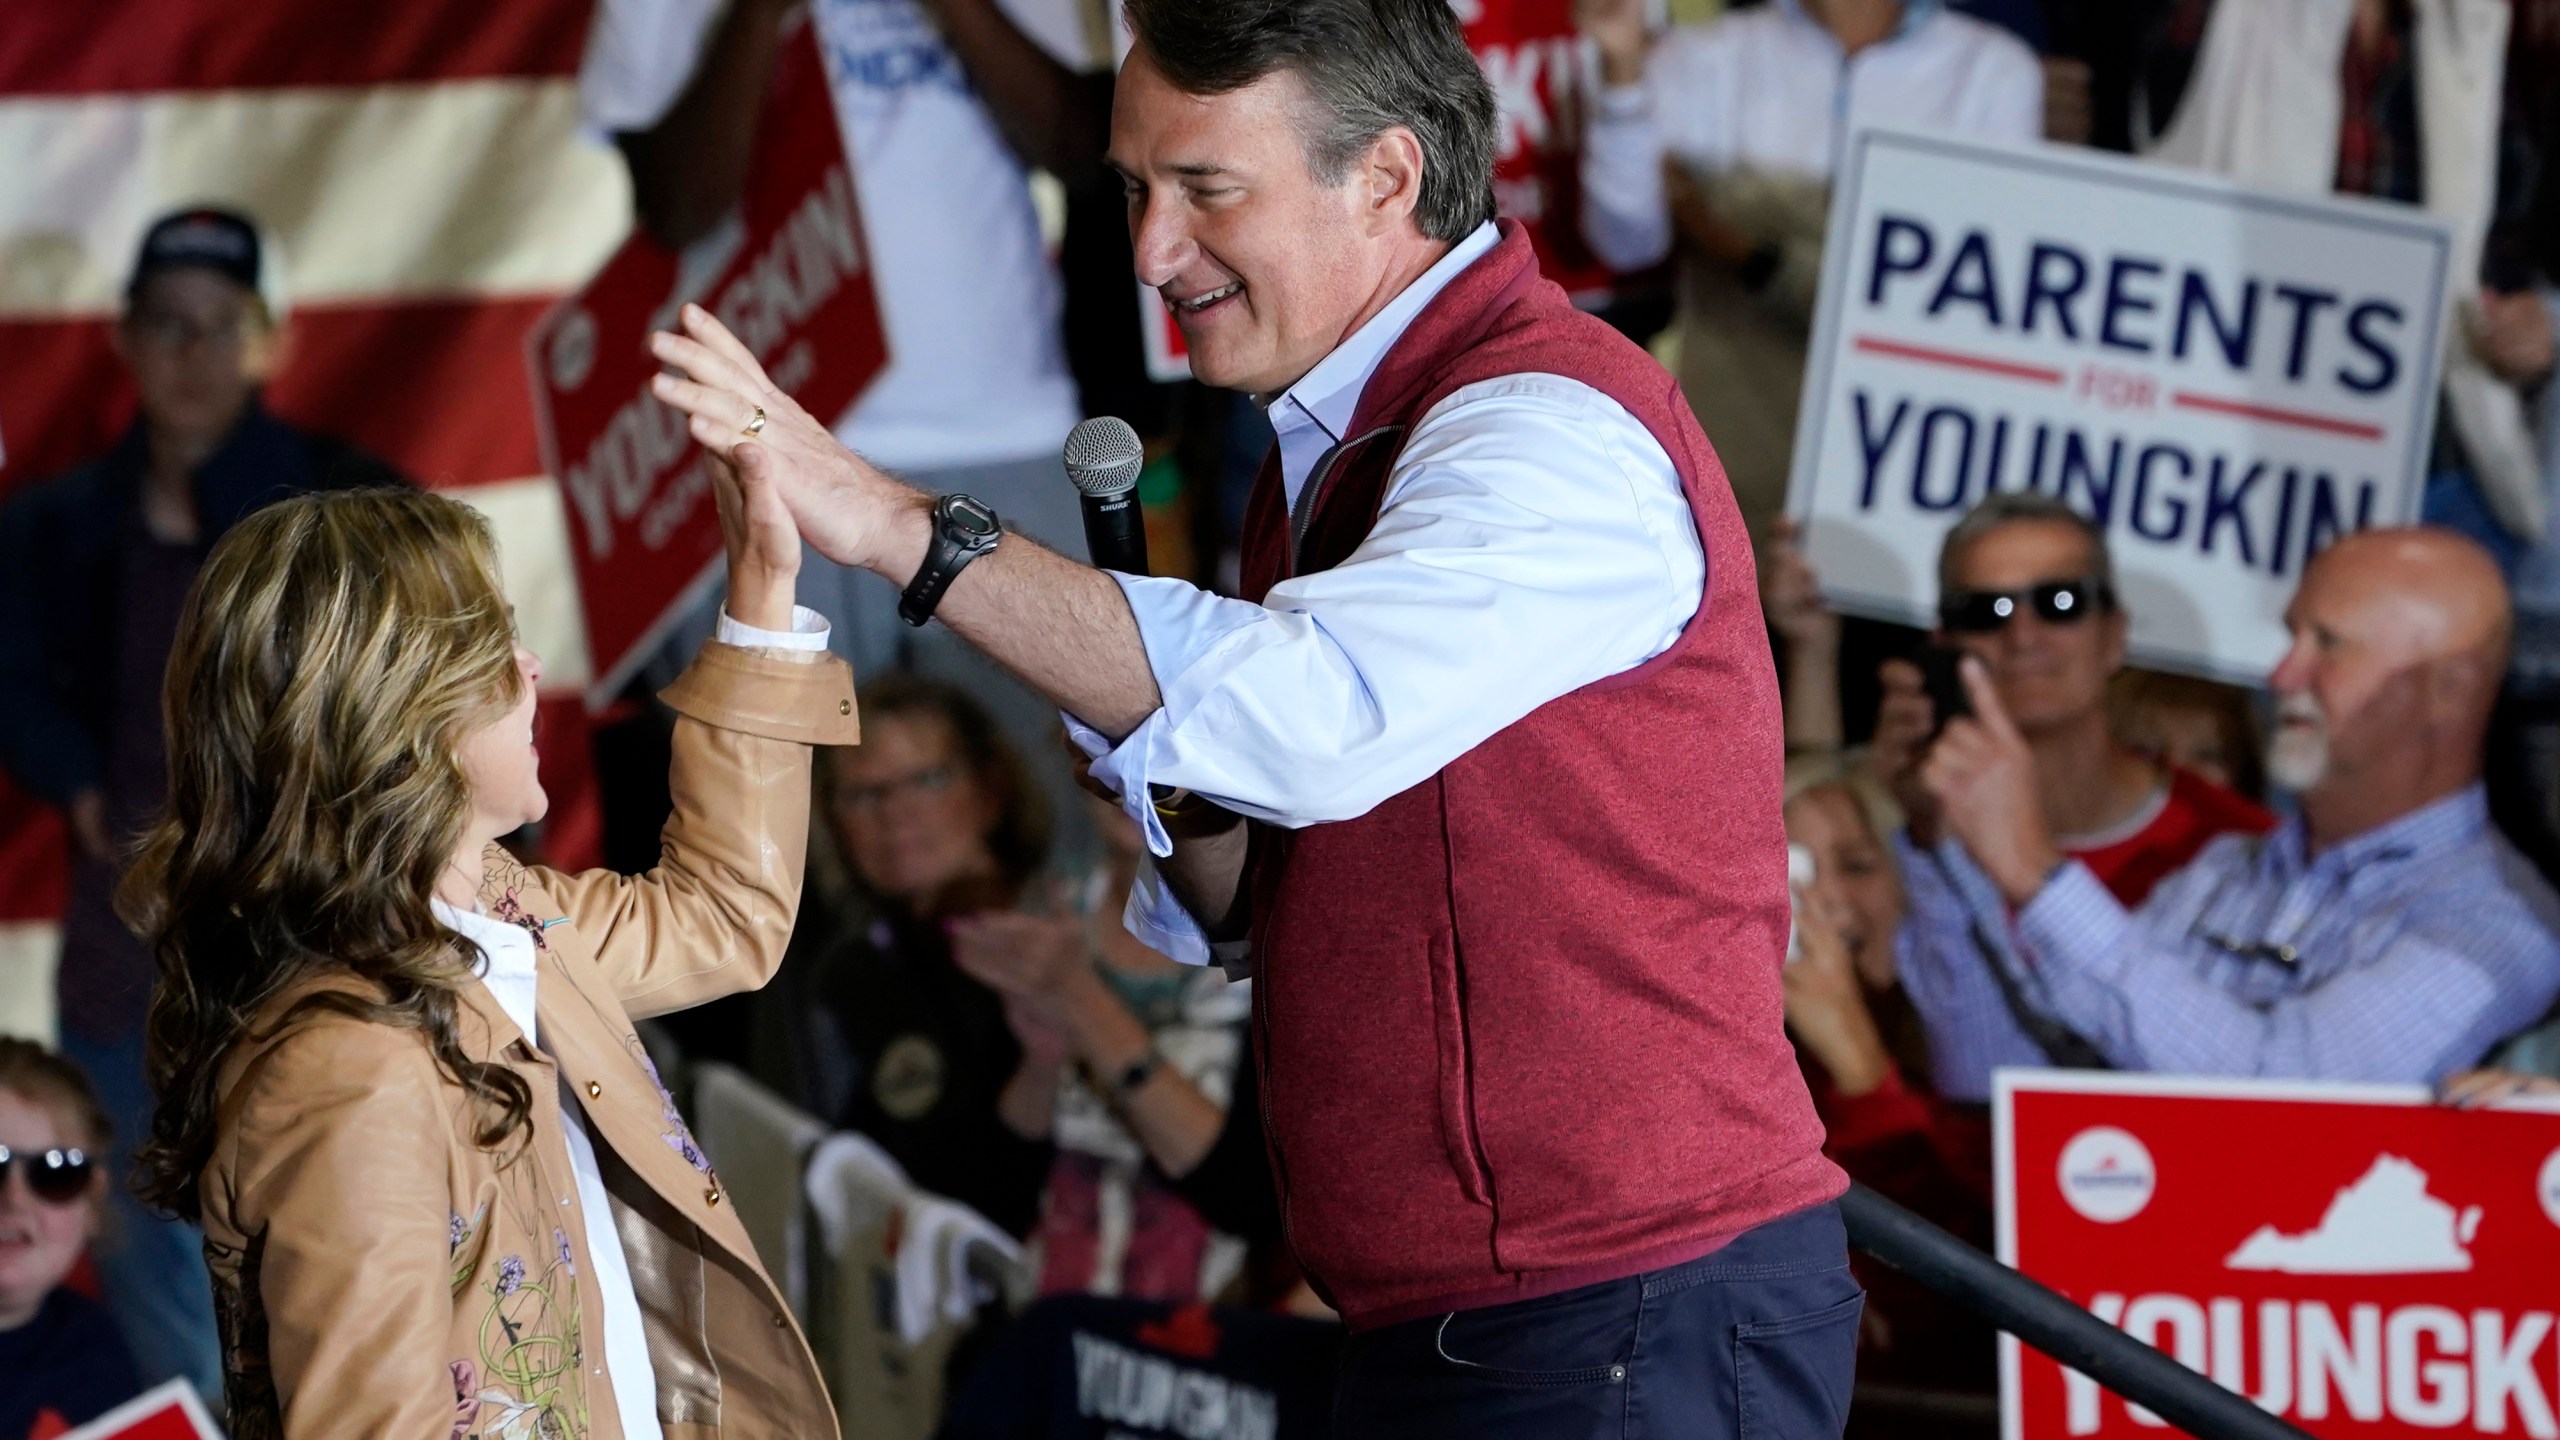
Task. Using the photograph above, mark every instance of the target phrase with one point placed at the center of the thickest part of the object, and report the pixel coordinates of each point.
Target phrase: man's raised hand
(1984, 779)
(847, 509)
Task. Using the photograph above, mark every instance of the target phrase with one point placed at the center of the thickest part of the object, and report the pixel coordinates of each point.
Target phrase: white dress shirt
(1533, 538)
(507, 953)
(1769, 90)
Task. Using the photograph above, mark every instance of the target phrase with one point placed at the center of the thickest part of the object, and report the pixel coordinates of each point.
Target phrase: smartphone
(1799, 877)
(1942, 677)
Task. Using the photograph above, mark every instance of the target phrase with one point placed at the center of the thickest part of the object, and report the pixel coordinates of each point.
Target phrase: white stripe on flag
(450, 188)
(542, 583)
(28, 952)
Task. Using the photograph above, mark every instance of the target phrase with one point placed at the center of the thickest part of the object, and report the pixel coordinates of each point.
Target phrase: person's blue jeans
(151, 1268)
(1759, 1339)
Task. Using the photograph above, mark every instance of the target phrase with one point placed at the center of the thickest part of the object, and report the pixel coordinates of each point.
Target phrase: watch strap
(944, 559)
(1133, 1076)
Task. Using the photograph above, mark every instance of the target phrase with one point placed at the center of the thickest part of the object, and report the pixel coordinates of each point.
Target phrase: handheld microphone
(1103, 459)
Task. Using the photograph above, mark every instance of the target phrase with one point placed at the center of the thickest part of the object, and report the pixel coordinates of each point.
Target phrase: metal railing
(2049, 1321)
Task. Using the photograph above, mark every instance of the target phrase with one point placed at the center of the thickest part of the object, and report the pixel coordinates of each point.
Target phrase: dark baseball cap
(204, 238)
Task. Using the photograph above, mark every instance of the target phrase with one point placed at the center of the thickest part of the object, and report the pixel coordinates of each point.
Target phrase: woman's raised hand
(763, 545)
(851, 512)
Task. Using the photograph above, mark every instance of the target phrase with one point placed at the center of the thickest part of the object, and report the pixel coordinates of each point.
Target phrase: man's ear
(1392, 171)
(2459, 690)
(269, 349)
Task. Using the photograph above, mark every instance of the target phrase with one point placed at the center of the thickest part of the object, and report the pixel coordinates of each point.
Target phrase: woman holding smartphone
(442, 1190)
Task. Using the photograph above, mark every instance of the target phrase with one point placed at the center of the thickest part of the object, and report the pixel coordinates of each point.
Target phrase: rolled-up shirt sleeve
(1534, 538)
(2443, 989)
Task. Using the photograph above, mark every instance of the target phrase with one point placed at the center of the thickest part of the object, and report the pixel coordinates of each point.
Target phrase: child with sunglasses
(61, 1361)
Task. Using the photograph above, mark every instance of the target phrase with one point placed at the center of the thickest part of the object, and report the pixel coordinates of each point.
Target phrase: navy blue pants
(1758, 1340)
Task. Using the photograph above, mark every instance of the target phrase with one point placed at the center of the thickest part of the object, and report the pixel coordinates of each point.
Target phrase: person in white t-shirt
(976, 397)
(1718, 141)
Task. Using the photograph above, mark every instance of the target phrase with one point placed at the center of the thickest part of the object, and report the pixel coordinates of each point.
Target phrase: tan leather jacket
(378, 1274)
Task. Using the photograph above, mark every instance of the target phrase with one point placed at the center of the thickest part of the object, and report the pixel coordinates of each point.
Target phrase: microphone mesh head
(1104, 456)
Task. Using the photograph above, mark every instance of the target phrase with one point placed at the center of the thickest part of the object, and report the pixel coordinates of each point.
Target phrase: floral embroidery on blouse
(560, 1242)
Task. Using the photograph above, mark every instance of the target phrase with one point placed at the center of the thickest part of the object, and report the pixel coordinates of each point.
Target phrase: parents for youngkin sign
(2225, 379)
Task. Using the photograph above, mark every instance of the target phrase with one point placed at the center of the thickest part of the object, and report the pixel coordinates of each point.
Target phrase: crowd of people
(2021, 851)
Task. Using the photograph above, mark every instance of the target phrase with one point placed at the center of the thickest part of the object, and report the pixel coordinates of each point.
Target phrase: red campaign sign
(790, 275)
(1531, 54)
(2354, 1258)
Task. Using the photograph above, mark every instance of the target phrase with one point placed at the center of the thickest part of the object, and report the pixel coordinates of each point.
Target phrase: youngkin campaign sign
(2355, 1258)
(790, 275)
(2225, 379)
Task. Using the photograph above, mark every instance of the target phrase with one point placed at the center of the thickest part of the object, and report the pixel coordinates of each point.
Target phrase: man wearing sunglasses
(2385, 933)
(2027, 592)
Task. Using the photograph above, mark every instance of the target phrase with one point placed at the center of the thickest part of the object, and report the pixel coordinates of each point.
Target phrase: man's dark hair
(2008, 507)
(1369, 64)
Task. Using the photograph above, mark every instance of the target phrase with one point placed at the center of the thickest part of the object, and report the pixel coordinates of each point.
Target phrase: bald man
(2385, 933)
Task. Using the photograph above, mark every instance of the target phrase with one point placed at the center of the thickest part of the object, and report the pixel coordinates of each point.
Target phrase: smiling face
(1266, 266)
(2050, 674)
(40, 1240)
(501, 763)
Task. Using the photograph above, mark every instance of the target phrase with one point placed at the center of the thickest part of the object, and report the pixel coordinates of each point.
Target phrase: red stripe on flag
(436, 388)
(35, 859)
(74, 47)
(63, 397)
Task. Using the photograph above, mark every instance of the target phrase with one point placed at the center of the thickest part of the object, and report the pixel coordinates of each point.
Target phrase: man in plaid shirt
(2385, 933)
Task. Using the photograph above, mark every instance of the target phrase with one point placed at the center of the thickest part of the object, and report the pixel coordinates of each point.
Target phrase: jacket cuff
(760, 694)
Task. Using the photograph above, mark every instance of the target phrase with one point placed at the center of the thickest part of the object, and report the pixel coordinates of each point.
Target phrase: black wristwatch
(963, 529)
(1133, 1076)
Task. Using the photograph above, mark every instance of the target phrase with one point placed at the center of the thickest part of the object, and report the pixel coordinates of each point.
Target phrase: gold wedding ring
(756, 426)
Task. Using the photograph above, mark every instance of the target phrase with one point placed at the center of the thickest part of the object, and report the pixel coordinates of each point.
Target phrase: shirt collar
(1915, 13)
(1327, 395)
(2431, 829)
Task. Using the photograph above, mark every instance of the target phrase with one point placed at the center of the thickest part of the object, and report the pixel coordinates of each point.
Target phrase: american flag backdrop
(420, 168)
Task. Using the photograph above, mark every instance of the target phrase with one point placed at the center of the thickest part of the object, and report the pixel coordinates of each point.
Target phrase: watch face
(970, 517)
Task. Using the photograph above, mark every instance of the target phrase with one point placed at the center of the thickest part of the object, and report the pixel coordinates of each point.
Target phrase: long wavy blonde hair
(334, 652)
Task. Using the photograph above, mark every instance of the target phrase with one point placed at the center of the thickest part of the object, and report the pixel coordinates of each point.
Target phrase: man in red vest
(1480, 777)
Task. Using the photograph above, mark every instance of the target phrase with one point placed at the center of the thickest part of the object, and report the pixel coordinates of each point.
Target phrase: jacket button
(594, 1089)
(844, 707)
(712, 1195)
(777, 1322)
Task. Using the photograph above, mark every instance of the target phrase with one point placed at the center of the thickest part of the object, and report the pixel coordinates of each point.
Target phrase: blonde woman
(442, 1191)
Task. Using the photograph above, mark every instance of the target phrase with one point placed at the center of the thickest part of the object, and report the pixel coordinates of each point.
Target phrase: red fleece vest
(1520, 1024)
